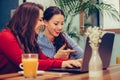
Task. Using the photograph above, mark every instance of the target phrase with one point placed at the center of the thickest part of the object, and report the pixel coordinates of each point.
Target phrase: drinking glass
(29, 65)
(118, 60)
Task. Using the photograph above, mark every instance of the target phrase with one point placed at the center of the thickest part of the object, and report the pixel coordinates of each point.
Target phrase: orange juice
(118, 59)
(30, 67)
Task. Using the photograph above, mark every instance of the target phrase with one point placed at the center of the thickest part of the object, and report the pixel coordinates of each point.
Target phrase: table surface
(112, 73)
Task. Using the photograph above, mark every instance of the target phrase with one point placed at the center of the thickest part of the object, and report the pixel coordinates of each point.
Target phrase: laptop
(105, 51)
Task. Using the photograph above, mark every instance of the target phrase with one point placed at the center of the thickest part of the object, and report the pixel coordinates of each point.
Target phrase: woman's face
(54, 25)
(39, 22)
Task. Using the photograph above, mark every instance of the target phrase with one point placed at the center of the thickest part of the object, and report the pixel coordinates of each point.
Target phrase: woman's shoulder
(41, 35)
(6, 34)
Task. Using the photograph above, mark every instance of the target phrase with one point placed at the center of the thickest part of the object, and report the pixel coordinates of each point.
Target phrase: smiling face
(39, 22)
(54, 25)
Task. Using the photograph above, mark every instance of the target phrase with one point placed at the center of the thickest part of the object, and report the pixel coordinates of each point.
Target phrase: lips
(57, 33)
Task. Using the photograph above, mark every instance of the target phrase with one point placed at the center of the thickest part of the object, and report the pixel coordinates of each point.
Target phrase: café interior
(78, 24)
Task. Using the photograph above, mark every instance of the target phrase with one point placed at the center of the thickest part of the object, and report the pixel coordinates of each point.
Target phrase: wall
(116, 48)
(45, 3)
(5, 13)
(107, 21)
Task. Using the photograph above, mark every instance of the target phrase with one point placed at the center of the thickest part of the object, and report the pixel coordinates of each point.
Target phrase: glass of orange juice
(118, 59)
(29, 65)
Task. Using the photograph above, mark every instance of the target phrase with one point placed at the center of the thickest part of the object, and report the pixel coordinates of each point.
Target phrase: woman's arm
(48, 63)
(10, 47)
(11, 50)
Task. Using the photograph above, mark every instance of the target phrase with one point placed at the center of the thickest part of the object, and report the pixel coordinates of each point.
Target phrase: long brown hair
(22, 24)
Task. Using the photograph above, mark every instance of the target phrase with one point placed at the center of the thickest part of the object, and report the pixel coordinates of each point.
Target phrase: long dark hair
(22, 24)
(60, 40)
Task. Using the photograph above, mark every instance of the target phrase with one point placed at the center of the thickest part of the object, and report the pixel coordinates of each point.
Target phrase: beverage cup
(118, 60)
(29, 65)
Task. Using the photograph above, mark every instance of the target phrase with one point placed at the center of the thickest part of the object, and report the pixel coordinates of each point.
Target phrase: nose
(42, 23)
(60, 27)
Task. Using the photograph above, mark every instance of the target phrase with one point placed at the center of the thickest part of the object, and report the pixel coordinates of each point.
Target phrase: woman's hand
(61, 53)
(71, 63)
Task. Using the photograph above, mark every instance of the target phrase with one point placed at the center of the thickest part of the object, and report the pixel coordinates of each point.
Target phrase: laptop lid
(105, 51)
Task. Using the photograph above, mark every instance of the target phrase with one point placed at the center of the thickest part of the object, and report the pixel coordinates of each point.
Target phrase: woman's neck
(50, 37)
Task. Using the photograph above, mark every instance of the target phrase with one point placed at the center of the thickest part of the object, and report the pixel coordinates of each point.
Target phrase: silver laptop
(105, 50)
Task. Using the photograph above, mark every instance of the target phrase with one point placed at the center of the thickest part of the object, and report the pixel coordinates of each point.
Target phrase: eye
(62, 23)
(55, 23)
(41, 20)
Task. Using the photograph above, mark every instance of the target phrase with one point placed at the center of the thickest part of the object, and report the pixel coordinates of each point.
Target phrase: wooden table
(112, 73)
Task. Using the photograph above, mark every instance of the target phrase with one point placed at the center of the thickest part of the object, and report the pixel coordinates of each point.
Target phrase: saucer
(38, 72)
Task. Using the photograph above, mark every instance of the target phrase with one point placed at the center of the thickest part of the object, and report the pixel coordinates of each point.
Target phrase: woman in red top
(20, 36)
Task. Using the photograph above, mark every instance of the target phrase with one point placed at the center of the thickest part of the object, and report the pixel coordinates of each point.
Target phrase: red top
(10, 55)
